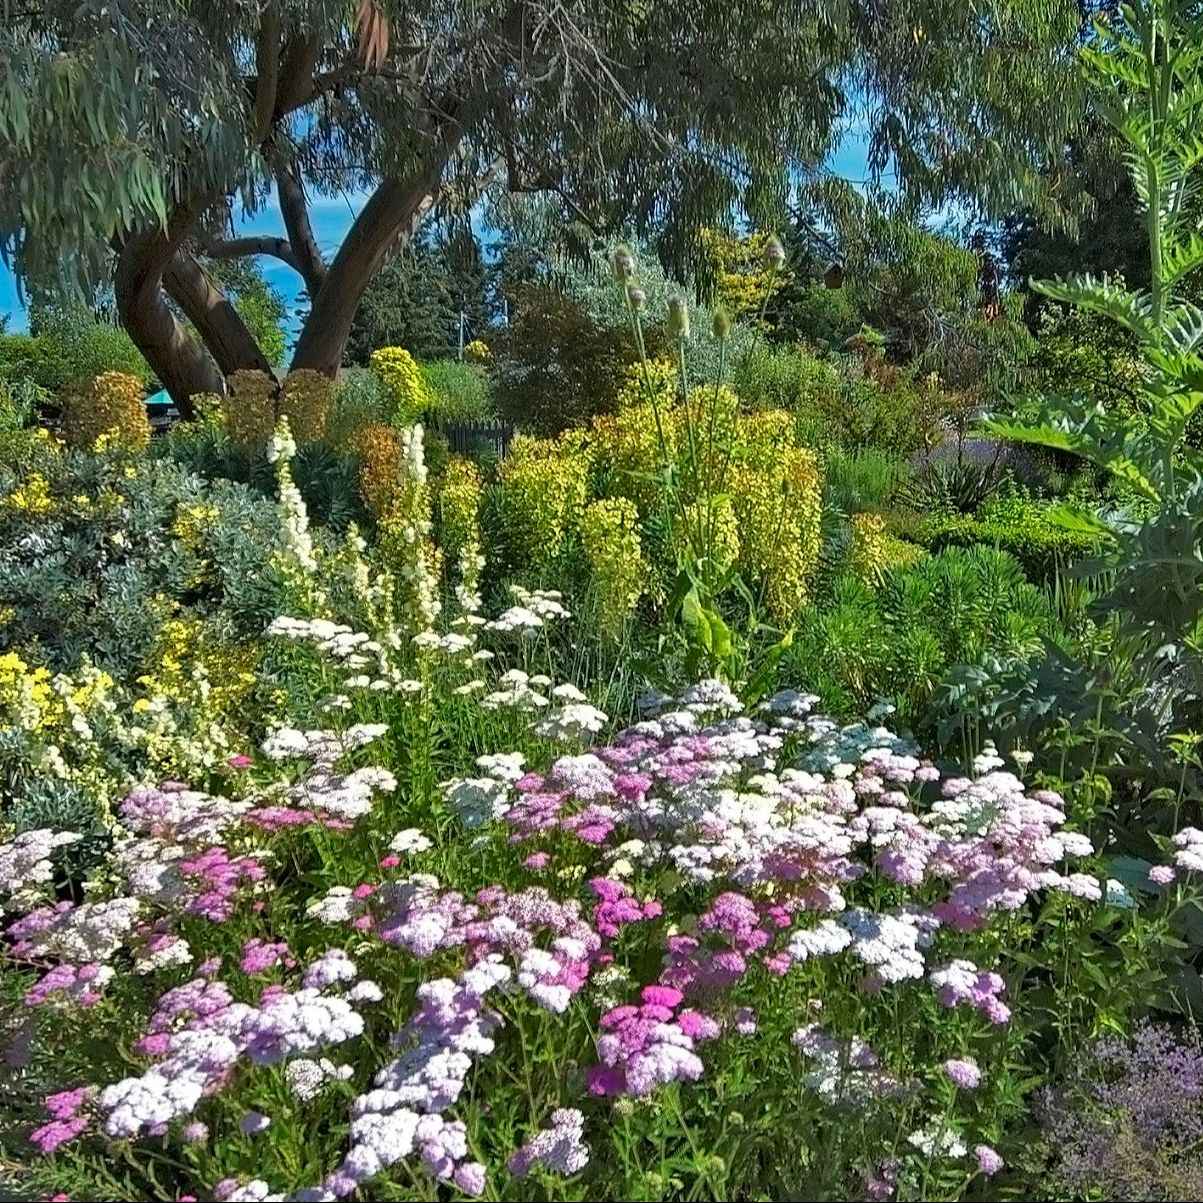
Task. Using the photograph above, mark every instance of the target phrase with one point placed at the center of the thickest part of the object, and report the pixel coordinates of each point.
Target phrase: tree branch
(180, 362)
(260, 244)
(267, 59)
(305, 256)
(213, 314)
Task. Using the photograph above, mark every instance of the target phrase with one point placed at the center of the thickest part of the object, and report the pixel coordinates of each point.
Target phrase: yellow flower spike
(610, 535)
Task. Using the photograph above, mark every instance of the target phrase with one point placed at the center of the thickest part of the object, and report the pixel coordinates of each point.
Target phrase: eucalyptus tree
(131, 130)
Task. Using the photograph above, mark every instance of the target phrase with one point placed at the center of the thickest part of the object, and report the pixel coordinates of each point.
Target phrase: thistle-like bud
(721, 324)
(636, 296)
(774, 254)
(623, 262)
(678, 318)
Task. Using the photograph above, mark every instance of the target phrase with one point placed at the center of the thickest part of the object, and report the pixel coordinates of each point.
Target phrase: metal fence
(475, 438)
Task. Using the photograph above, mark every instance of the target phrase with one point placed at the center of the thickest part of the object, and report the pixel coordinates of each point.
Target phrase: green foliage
(360, 399)
(99, 550)
(416, 299)
(896, 641)
(555, 367)
(68, 345)
(1027, 528)
(459, 391)
(860, 480)
(1148, 75)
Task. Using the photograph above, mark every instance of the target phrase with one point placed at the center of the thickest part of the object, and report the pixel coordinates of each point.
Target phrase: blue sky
(332, 217)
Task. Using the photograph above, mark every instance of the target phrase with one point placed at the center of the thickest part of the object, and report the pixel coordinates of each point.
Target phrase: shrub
(459, 392)
(113, 406)
(861, 480)
(873, 551)
(898, 639)
(96, 551)
(778, 508)
(73, 346)
(555, 367)
(305, 400)
(786, 377)
(478, 352)
(542, 491)
(249, 410)
(1128, 1122)
(404, 383)
(591, 288)
(459, 493)
(360, 398)
(1014, 523)
(379, 450)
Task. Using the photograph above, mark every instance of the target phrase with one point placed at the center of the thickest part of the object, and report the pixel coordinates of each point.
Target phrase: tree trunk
(183, 366)
(392, 215)
(213, 314)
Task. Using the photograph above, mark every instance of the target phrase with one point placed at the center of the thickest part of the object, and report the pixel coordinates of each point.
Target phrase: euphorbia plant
(694, 491)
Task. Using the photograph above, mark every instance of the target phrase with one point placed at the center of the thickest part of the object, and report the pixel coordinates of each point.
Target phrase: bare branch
(260, 244)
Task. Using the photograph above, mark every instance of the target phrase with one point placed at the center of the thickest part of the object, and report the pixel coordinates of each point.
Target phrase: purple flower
(988, 1161)
(254, 1122)
(963, 1073)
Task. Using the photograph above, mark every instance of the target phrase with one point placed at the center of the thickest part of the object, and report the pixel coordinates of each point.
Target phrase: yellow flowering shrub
(26, 698)
(190, 666)
(32, 497)
(110, 407)
(543, 487)
(873, 551)
(403, 379)
(743, 281)
(626, 453)
(379, 450)
(661, 377)
(610, 536)
(306, 397)
(715, 526)
(248, 409)
(478, 352)
(778, 509)
(459, 493)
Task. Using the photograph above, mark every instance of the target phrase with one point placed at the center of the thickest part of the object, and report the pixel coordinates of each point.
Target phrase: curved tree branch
(306, 258)
(267, 57)
(259, 244)
(221, 327)
(180, 362)
(392, 215)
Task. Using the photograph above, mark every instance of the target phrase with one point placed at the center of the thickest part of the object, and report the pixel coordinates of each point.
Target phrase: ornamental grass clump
(111, 407)
(248, 410)
(618, 571)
